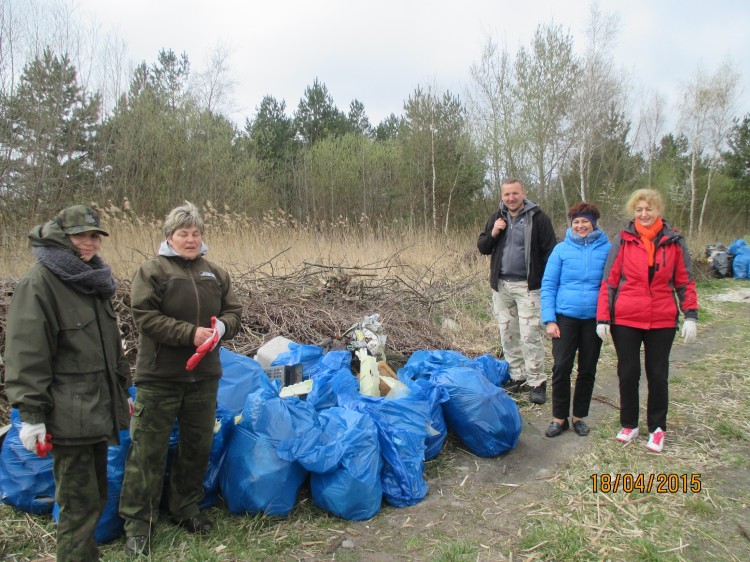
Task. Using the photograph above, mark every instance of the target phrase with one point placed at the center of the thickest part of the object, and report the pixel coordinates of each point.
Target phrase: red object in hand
(43, 448)
(204, 348)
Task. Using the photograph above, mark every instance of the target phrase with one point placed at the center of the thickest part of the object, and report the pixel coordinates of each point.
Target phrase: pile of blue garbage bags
(356, 450)
(730, 262)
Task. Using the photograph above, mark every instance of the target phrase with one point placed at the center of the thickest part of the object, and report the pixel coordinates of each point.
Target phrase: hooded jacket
(539, 241)
(631, 295)
(65, 365)
(170, 298)
(573, 276)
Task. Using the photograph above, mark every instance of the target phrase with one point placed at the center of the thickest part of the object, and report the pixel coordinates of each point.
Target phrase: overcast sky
(379, 51)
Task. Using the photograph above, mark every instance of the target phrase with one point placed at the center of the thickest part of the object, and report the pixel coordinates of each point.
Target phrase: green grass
(456, 551)
(730, 430)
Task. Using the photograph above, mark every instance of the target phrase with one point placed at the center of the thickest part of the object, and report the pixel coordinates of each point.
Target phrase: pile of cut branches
(315, 304)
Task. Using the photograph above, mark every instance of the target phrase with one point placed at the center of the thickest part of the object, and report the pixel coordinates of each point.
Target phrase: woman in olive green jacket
(65, 369)
(174, 298)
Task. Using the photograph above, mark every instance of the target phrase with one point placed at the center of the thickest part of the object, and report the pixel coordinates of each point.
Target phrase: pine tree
(49, 136)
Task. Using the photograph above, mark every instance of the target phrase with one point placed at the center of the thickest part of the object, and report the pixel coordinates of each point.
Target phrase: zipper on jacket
(155, 358)
(197, 295)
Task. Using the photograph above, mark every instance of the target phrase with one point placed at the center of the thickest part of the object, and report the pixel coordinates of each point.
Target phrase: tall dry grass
(277, 245)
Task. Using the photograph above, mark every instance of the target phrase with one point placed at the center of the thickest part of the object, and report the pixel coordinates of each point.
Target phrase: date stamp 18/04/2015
(661, 483)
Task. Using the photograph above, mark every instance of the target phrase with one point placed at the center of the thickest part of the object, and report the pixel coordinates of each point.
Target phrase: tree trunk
(582, 170)
(562, 192)
(693, 189)
(434, 177)
(705, 199)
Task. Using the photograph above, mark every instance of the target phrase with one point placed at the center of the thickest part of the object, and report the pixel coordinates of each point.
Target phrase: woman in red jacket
(648, 266)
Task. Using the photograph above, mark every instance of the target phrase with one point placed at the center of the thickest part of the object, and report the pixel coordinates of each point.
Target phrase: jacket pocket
(79, 346)
(82, 406)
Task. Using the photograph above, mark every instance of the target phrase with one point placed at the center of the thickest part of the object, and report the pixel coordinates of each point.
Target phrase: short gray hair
(186, 215)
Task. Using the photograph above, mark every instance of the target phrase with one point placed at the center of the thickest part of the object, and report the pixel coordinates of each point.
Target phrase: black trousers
(657, 345)
(576, 335)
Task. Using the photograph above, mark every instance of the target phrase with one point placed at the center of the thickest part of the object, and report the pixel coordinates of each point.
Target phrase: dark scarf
(93, 278)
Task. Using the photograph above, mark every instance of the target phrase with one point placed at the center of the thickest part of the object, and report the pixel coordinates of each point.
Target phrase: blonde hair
(650, 196)
(182, 216)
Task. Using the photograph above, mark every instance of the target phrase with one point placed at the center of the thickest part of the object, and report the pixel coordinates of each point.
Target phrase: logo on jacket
(207, 274)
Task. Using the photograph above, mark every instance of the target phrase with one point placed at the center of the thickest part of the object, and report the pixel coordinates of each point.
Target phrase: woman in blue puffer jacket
(570, 289)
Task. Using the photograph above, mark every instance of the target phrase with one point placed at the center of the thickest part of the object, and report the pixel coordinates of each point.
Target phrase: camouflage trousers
(157, 406)
(81, 493)
(518, 314)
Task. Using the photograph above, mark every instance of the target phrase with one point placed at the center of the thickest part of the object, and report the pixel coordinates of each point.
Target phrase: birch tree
(493, 104)
(547, 74)
(705, 119)
(599, 93)
(720, 120)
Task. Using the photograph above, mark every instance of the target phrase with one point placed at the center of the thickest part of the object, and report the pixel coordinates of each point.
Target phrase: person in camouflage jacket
(66, 371)
(174, 298)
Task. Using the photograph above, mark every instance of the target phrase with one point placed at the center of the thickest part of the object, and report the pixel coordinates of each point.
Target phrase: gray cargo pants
(518, 314)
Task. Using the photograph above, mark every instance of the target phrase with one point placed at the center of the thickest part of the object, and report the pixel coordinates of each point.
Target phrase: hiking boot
(627, 434)
(195, 524)
(137, 545)
(538, 394)
(513, 386)
(581, 428)
(656, 440)
(555, 428)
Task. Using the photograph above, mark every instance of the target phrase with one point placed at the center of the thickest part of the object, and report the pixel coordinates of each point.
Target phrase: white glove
(31, 434)
(220, 329)
(602, 330)
(689, 330)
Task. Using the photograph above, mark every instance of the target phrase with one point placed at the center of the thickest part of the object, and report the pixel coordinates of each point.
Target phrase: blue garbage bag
(222, 433)
(496, 370)
(479, 413)
(402, 429)
(242, 376)
(343, 457)
(739, 246)
(111, 526)
(308, 355)
(424, 364)
(437, 431)
(331, 377)
(741, 266)
(254, 478)
(26, 480)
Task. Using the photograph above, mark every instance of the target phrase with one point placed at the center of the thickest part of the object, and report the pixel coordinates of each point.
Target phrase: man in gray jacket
(519, 236)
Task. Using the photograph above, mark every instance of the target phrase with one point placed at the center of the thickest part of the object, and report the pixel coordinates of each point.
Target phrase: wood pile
(315, 304)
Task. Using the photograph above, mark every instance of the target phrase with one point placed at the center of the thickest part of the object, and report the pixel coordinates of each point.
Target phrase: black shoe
(195, 524)
(513, 386)
(539, 394)
(554, 429)
(137, 545)
(581, 428)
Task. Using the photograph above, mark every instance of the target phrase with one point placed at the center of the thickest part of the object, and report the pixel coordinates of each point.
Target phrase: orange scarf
(648, 235)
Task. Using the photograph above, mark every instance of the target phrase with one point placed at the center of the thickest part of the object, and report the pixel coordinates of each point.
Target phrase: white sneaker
(627, 434)
(656, 440)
